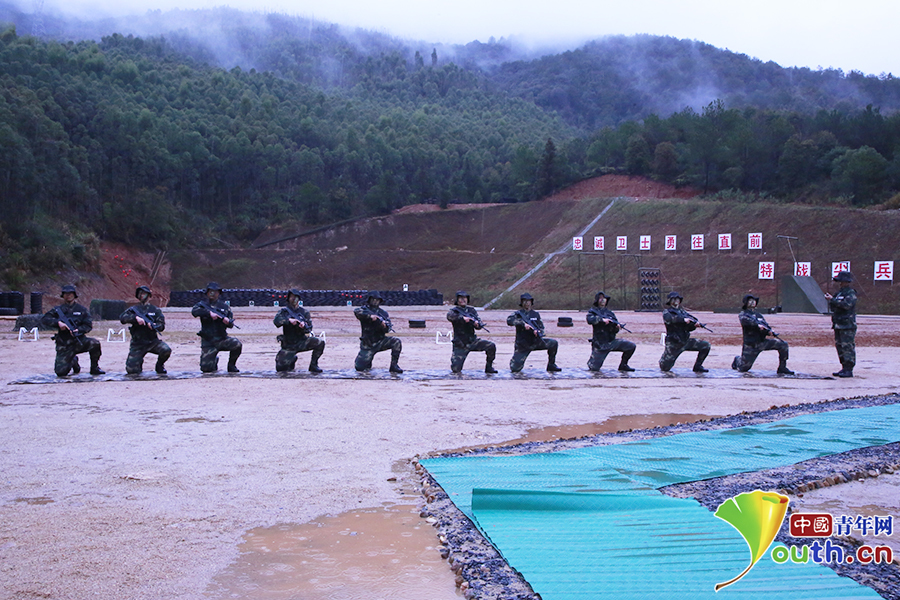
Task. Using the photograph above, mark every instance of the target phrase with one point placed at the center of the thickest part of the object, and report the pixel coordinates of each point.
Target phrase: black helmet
(844, 277)
(68, 288)
(212, 285)
(461, 294)
(374, 294)
(747, 298)
(672, 296)
(597, 298)
(294, 291)
(524, 297)
(140, 289)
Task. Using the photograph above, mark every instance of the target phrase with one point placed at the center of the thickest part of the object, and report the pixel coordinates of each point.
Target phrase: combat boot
(552, 368)
(96, 370)
(161, 368)
(783, 370)
(489, 367)
(698, 368)
(624, 367)
(232, 366)
(76, 368)
(314, 365)
(844, 373)
(395, 368)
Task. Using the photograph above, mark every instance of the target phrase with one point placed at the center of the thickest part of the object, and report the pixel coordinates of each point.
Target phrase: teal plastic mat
(586, 522)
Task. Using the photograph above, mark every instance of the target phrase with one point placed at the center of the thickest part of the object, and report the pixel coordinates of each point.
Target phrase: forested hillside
(153, 142)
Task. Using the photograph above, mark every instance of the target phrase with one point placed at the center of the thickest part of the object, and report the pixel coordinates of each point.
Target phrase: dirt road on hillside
(173, 489)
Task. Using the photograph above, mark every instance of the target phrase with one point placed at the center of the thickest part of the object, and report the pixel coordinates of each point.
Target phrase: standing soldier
(465, 321)
(375, 324)
(297, 326)
(530, 336)
(679, 325)
(843, 321)
(604, 341)
(215, 320)
(72, 321)
(146, 322)
(755, 330)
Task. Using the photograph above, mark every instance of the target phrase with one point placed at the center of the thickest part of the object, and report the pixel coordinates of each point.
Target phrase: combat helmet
(747, 298)
(294, 291)
(462, 293)
(141, 289)
(68, 288)
(212, 285)
(597, 298)
(524, 297)
(672, 296)
(844, 277)
(374, 294)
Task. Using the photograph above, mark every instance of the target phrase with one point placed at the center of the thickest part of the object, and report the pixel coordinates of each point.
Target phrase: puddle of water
(368, 554)
(611, 425)
(39, 500)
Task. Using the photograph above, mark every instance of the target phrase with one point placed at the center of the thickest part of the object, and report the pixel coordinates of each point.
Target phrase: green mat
(580, 522)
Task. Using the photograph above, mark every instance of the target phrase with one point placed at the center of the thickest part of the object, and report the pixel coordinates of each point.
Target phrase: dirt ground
(156, 489)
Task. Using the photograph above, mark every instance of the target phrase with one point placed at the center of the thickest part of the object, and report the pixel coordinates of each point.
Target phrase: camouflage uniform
(465, 340)
(604, 339)
(843, 321)
(68, 345)
(297, 338)
(527, 341)
(214, 337)
(679, 326)
(373, 339)
(756, 341)
(145, 339)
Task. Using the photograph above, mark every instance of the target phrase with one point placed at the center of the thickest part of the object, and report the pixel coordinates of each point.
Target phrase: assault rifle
(298, 317)
(151, 323)
(768, 328)
(65, 319)
(475, 318)
(699, 324)
(367, 310)
(213, 311)
(538, 332)
(612, 320)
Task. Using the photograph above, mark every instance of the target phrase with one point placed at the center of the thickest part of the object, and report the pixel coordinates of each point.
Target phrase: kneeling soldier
(679, 325)
(604, 341)
(530, 336)
(215, 320)
(297, 326)
(72, 321)
(146, 322)
(755, 330)
(375, 323)
(465, 321)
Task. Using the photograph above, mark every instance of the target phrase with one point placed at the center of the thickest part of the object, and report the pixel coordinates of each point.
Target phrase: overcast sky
(860, 35)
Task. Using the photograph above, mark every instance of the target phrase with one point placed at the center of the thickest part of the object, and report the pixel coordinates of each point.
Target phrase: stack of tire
(268, 297)
(12, 303)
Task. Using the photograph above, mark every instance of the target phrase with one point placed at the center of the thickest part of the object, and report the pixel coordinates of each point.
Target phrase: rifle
(476, 318)
(538, 332)
(72, 329)
(768, 328)
(213, 311)
(305, 326)
(699, 324)
(147, 320)
(612, 321)
(367, 310)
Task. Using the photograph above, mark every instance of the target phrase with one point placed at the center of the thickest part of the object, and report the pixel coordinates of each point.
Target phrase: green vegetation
(143, 141)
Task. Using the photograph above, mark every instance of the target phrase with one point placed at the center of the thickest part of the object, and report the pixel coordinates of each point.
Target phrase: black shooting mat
(422, 375)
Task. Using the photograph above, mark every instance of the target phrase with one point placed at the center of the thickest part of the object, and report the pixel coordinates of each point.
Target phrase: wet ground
(202, 487)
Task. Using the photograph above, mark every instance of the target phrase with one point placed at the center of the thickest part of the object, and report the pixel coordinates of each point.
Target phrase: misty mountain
(605, 82)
